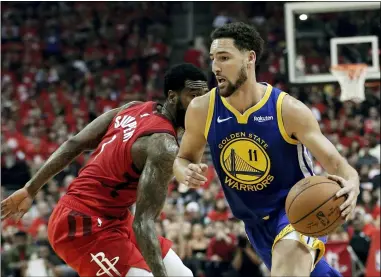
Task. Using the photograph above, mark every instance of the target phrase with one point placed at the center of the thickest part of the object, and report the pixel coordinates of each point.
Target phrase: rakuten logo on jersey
(128, 123)
(263, 118)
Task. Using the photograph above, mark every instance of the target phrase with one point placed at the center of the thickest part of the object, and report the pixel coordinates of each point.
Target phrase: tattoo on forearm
(152, 192)
(86, 139)
(63, 156)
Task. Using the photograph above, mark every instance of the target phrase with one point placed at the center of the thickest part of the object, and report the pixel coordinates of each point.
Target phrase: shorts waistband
(72, 202)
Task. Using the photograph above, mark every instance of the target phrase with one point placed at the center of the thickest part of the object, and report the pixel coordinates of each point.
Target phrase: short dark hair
(21, 234)
(245, 37)
(176, 76)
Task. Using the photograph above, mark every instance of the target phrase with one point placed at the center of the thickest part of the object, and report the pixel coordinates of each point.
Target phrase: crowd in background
(65, 63)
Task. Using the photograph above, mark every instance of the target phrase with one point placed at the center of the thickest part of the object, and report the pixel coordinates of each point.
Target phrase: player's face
(229, 66)
(192, 90)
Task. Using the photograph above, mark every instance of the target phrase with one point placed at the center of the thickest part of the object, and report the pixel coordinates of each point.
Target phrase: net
(351, 78)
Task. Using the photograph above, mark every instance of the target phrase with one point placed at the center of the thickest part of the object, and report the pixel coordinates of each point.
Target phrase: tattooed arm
(21, 200)
(87, 139)
(152, 191)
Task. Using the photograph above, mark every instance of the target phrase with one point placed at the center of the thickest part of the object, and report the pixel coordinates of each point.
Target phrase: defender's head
(182, 83)
(235, 50)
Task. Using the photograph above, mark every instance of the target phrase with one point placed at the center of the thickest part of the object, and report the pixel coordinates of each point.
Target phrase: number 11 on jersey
(251, 154)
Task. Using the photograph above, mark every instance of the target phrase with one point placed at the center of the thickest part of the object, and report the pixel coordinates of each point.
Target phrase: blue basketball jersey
(256, 160)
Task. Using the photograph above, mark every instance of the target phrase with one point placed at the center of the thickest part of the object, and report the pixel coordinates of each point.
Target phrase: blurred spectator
(42, 218)
(16, 258)
(360, 242)
(365, 158)
(196, 249)
(192, 212)
(65, 63)
(220, 250)
(221, 19)
(14, 170)
(246, 262)
(197, 53)
(220, 212)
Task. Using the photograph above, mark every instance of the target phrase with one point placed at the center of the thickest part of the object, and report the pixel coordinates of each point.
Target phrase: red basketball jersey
(107, 184)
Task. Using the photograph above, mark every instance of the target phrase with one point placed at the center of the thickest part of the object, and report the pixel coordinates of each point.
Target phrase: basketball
(313, 208)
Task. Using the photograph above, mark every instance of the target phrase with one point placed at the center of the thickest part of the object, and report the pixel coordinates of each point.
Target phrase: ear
(252, 57)
(172, 97)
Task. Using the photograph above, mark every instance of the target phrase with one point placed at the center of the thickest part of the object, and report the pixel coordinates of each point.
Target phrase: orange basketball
(313, 208)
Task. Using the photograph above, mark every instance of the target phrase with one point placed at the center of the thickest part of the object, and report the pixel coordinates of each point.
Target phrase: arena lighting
(303, 16)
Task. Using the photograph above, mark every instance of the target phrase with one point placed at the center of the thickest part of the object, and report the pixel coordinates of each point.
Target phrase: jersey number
(253, 154)
(130, 183)
(104, 144)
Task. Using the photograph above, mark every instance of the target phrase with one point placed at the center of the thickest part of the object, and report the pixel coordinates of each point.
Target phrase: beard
(180, 115)
(230, 87)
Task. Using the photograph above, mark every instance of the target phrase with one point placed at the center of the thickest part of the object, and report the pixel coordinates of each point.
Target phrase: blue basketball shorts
(264, 234)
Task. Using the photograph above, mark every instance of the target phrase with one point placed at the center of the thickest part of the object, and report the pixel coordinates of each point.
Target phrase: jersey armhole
(210, 112)
(282, 130)
(145, 133)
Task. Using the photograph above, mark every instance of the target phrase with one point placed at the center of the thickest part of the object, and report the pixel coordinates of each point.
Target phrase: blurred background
(65, 63)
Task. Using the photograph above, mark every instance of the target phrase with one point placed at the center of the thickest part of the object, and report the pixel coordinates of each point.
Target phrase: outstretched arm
(21, 200)
(86, 139)
(300, 122)
(152, 191)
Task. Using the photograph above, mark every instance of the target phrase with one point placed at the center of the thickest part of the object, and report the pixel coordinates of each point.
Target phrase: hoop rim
(349, 67)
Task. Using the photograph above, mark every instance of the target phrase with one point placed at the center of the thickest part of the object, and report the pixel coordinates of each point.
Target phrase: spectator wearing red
(196, 53)
(42, 218)
(220, 211)
(220, 250)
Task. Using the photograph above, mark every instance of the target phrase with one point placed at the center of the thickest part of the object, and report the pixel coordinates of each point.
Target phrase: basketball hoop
(351, 78)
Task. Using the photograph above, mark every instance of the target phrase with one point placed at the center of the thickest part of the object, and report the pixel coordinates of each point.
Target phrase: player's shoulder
(146, 111)
(197, 112)
(129, 105)
(293, 107)
(200, 104)
(295, 112)
(156, 148)
(160, 143)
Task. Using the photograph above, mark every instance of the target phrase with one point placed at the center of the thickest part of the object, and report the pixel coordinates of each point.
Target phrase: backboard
(322, 34)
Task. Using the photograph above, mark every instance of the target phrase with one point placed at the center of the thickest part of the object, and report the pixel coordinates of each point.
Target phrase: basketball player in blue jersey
(260, 138)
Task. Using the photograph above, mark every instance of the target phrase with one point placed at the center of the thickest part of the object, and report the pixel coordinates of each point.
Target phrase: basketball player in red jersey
(91, 228)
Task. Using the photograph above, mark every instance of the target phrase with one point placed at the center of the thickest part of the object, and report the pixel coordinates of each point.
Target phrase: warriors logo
(246, 163)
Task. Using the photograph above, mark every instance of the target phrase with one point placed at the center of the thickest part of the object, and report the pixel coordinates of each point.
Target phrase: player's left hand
(349, 188)
(16, 205)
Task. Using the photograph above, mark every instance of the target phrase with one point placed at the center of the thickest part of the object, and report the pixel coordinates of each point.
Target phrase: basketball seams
(325, 205)
(312, 234)
(289, 207)
(315, 209)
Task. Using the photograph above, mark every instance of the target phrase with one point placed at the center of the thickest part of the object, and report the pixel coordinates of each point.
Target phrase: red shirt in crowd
(221, 248)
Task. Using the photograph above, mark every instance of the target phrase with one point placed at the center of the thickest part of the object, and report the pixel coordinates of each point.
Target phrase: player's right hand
(16, 205)
(195, 175)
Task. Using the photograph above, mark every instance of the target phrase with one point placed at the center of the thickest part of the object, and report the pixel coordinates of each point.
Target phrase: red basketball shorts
(95, 246)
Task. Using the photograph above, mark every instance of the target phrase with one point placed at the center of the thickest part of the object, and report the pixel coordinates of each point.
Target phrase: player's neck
(248, 95)
(169, 112)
